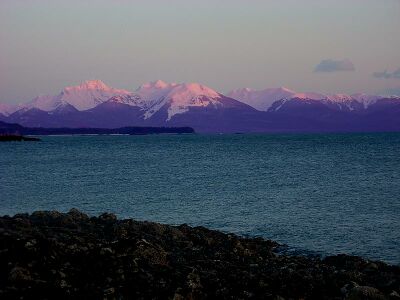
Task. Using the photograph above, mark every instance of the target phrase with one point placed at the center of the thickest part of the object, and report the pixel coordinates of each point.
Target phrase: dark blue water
(321, 193)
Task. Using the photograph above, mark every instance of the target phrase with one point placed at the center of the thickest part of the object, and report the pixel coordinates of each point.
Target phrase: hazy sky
(318, 45)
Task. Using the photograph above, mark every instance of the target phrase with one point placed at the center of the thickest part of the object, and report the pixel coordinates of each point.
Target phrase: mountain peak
(197, 89)
(261, 99)
(178, 97)
(89, 85)
(7, 109)
(285, 89)
(94, 85)
(158, 84)
(84, 96)
(309, 96)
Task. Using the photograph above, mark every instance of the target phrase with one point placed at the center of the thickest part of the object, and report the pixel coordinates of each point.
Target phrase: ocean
(320, 194)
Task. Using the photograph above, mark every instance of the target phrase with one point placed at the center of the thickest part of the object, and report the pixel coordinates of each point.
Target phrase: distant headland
(16, 131)
(17, 138)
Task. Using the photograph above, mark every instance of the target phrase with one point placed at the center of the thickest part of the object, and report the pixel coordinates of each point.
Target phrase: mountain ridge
(158, 103)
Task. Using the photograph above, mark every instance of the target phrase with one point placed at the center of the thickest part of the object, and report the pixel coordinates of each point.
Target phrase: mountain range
(93, 104)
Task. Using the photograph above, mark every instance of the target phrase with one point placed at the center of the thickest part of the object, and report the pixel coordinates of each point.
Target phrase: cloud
(387, 75)
(331, 65)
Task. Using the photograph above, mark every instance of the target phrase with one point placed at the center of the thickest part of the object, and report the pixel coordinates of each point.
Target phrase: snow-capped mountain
(84, 96)
(264, 99)
(93, 104)
(368, 100)
(7, 109)
(175, 98)
(152, 104)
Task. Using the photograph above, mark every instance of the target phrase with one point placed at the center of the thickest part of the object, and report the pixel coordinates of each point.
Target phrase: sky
(325, 46)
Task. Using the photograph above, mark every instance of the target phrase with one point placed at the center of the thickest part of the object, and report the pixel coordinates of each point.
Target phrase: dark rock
(109, 291)
(54, 255)
(365, 293)
(19, 274)
(108, 218)
(76, 215)
(394, 295)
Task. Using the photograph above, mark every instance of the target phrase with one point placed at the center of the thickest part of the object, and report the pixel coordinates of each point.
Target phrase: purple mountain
(95, 105)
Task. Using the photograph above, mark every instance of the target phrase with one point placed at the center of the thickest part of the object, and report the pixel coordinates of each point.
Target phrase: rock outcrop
(52, 255)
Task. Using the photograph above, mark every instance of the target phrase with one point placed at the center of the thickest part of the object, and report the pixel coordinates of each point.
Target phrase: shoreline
(18, 138)
(72, 255)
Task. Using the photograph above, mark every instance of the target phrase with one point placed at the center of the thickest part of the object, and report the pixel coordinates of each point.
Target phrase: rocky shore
(52, 255)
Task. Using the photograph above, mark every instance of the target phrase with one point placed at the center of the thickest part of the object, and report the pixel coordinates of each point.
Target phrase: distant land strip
(16, 129)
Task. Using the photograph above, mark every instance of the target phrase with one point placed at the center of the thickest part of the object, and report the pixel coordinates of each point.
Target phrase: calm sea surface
(321, 194)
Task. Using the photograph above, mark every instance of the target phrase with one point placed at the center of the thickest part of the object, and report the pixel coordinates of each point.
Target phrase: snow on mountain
(263, 99)
(180, 97)
(365, 99)
(160, 102)
(338, 97)
(150, 97)
(84, 96)
(7, 109)
(45, 103)
(132, 100)
(310, 96)
(93, 104)
(154, 96)
(176, 98)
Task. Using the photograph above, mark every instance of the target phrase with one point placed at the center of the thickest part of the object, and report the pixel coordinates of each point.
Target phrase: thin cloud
(387, 75)
(331, 65)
